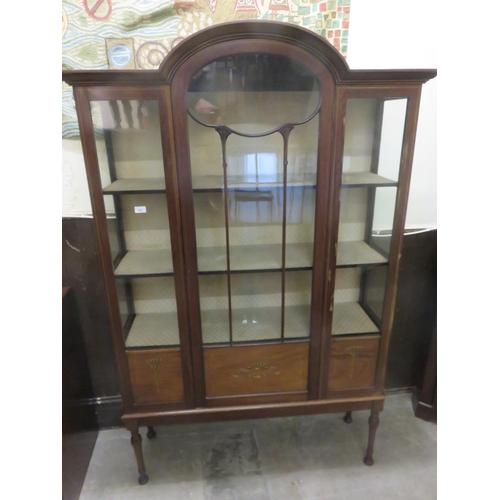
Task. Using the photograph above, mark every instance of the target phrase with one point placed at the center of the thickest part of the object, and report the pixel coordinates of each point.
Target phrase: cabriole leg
(137, 444)
(373, 424)
(348, 417)
(151, 432)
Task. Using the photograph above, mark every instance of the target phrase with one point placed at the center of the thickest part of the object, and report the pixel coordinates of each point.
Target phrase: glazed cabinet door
(252, 125)
(134, 205)
(375, 136)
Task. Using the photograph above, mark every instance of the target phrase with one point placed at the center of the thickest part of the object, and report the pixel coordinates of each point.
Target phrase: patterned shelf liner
(263, 323)
(211, 182)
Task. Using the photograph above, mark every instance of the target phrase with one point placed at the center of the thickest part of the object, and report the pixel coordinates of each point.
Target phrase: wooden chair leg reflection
(373, 424)
(137, 444)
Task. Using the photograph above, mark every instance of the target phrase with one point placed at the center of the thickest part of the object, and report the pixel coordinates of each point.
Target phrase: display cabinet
(249, 198)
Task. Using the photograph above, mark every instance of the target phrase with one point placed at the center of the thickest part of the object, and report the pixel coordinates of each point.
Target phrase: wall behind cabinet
(395, 34)
(400, 34)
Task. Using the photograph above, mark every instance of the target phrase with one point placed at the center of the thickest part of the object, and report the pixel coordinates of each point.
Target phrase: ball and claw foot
(348, 417)
(151, 433)
(143, 479)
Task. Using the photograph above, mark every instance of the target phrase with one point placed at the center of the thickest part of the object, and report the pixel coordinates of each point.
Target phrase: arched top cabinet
(249, 198)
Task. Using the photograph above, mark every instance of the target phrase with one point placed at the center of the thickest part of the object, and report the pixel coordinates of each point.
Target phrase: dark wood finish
(77, 451)
(198, 415)
(151, 432)
(353, 363)
(415, 314)
(250, 31)
(410, 338)
(425, 396)
(173, 205)
(76, 378)
(373, 422)
(136, 441)
(100, 401)
(156, 375)
(79, 420)
(94, 181)
(258, 369)
(348, 417)
(179, 85)
(201, 384)
(253, 399)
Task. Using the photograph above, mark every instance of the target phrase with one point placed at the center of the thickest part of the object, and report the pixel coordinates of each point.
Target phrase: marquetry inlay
(154, 363)
(257, 370)
(353, 351)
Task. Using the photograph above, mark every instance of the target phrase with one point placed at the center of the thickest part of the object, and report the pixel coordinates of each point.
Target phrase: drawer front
(262, 369)
(353, 363)
(156, 375)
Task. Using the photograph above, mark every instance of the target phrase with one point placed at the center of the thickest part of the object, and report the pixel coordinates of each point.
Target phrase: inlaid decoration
(353, 351)
(257, 370)
(154, 364)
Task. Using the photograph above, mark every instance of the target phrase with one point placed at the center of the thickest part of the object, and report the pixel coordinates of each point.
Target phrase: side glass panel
(372, 154)
(253, 136)
(130, 158)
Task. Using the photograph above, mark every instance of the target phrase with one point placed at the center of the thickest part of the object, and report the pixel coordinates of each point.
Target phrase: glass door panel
(372, 154)
(253, 138)
(130, 156)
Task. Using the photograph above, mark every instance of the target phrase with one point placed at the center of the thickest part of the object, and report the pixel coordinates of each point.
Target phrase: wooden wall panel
(416, 310)
(82, 271)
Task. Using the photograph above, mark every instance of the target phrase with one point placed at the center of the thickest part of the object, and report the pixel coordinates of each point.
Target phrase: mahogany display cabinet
(249, 198)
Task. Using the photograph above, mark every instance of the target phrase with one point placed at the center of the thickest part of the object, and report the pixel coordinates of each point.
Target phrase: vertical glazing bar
(224, 134)
(285, 132)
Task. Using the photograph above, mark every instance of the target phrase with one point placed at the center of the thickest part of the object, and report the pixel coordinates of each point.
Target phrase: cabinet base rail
(133, 421)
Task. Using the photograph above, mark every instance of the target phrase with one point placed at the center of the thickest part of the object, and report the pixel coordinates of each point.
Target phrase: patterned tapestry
(138, 34)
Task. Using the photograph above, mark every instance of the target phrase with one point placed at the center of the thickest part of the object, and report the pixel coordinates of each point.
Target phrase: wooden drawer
(260, 369)
(353, 363)
(156, 375)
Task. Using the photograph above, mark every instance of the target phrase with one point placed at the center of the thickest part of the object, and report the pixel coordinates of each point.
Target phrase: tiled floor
(313, 457)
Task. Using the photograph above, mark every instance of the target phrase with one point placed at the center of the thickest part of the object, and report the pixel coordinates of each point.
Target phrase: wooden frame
(199, 396)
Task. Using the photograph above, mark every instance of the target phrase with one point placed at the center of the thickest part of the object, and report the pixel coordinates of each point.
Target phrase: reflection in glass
(253, 94)
(128, 143)
(374, 131)
(253, 136)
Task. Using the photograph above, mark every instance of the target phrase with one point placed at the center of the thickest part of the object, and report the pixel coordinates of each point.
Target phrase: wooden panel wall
(415, 315)
(82, 272)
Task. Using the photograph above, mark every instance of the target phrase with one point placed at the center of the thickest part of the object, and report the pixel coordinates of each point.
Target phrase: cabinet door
(253, 135)
(375, 178)
(129, 182)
